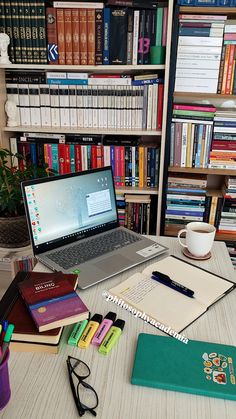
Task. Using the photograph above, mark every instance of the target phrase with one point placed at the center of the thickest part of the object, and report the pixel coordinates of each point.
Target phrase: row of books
(83, 33)
(199, 52)
(132, 165)
(231, 246)
(227, 79)
(14, 260)
(208, 3)
(223, 147)
(134, 212)
(228, 215)
(83, 106)
(191, 135)
(93, 35)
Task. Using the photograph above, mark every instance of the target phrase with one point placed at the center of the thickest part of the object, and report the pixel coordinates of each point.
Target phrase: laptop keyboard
(93, 248)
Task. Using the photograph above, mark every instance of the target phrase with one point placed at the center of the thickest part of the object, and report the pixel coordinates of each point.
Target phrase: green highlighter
(77, 332)
(111, 337)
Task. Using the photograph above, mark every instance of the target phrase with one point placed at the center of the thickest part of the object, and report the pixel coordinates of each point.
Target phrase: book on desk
(201, 368)
(165, 305)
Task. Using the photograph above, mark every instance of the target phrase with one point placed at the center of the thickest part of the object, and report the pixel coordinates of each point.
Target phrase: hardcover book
(197, 367)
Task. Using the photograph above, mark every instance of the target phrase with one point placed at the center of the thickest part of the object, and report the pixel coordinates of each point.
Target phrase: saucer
(189, 255)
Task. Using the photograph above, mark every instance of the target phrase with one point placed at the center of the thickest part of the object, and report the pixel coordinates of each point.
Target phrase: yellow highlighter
(90, 331)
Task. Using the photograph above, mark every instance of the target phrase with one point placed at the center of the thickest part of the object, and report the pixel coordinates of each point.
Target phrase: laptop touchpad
(113, 264)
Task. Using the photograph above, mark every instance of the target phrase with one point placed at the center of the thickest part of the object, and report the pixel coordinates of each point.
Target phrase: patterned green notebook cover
(197, 367)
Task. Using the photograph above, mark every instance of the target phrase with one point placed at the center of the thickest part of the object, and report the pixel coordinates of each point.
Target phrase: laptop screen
(65, 208)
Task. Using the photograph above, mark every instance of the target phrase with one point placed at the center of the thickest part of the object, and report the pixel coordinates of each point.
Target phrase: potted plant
(13, 225)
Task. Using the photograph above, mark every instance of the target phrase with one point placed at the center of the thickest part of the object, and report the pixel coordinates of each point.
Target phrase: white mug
(199, 238)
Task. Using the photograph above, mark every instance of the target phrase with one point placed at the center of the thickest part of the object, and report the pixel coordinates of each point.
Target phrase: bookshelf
(179, 168)
(157, 136)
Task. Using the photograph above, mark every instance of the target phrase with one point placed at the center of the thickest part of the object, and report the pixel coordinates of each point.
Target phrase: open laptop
(74, 227)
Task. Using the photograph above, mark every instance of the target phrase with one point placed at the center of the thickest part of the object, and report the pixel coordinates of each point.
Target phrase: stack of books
(231, 246)
(137, 213)
(186, 198)
(227, 80)
(199, 53)
(223, 149)
(228, 215)
(191, 135)
(40, 305)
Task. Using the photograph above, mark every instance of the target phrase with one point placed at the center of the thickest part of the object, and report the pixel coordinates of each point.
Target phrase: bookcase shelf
(68, 130)
(223, 172)
(86, 68)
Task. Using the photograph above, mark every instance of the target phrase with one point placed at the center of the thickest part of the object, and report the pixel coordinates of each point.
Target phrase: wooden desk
(40, 386)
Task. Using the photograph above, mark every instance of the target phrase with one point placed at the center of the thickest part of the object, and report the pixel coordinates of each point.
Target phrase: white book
(45, 108)
(154, 107)
(197, 73)
(34, 100)
(54, 102)
(109, 107)
(184, 217)
(197, 85)
(186, 197)
(198, 64)
(123, 107)
(231, 130)
(133, 153)
(24, 104)
(184, 144)
(135, 37)
(192, 49)
(135, 107)
(64, 106)
(78, 4)
(79, 105)
(95, 106)
(107, 155)
(85, 107)
(199, 56)
(149, 108)
(207, 145)
(129, 109)
(193, 121)
(13, 95)
(78, 76)
(73, 106)
(56, 75)
(200, 41)
(141, 105)
(14, 150)
(110, 81)
(84, 155)
(104, 109)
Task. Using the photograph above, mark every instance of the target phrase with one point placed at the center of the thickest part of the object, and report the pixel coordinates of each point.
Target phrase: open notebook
(166, 305)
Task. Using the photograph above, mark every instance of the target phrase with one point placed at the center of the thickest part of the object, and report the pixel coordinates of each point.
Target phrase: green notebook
(197, 367)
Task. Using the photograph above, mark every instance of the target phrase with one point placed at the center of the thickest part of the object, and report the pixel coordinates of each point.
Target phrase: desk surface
(39, 382)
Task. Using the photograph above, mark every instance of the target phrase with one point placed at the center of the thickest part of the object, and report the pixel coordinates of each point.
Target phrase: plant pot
(14, 232)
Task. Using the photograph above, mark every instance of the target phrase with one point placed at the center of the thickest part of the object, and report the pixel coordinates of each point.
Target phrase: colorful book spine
(61, 36)
(52, 46)
(68, 36)
(98, 36)
(83, 36)
(91, 36)
(106, 36)
(75, 36)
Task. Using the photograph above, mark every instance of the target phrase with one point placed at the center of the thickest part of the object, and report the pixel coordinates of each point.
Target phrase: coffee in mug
(199, 238)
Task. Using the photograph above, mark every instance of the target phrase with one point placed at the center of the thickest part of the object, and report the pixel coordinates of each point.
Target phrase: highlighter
(77, 332)
(103, 328)
(90, 331)
(111, 337)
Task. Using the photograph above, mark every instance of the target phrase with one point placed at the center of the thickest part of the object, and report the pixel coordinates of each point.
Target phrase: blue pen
(165, 280)
(4, 329)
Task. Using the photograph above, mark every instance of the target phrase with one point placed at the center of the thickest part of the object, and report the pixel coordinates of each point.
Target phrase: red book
(51, 19)
(91, 36)
(160, 105)
(68, 36)
(99, 156)
(83, 36)
(40, 286)
(75, 36)
(78, 158)
(61, 158)
(122, 166)
(67, 158)
(94, 156)
(61, 36)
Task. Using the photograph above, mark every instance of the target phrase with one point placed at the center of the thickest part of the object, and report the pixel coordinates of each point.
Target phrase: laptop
(74, 227)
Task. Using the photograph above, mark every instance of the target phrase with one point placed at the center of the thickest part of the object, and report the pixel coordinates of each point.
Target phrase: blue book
(55, 158)
(72, 158)
(51, 301)
(68, 81)
(33, 153)
(112, 151)
(188, 213)
(152, 167)
(199, 145)
(148, 81)
(186, 31)
(106, 36)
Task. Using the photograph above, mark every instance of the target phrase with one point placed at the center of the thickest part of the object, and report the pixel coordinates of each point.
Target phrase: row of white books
(199, 53)
(115, 107)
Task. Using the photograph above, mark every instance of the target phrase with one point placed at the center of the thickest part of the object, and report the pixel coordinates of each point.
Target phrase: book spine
(21, 12)
(51, 19)
(106, 36)
(68, 36)
(118, 36)
(141, 36)
(42, 42)
(83, 36)
(147, 37)
(159, 26)
(75, 36)
(7, 27)
(135, 37)
(130, 36)
(91, 36)
(61, 36)
(98, 36)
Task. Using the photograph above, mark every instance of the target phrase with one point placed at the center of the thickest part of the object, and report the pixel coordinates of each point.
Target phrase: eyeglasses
(85, 397)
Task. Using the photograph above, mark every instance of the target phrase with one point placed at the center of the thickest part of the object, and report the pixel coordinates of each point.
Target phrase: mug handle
(179, 238)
